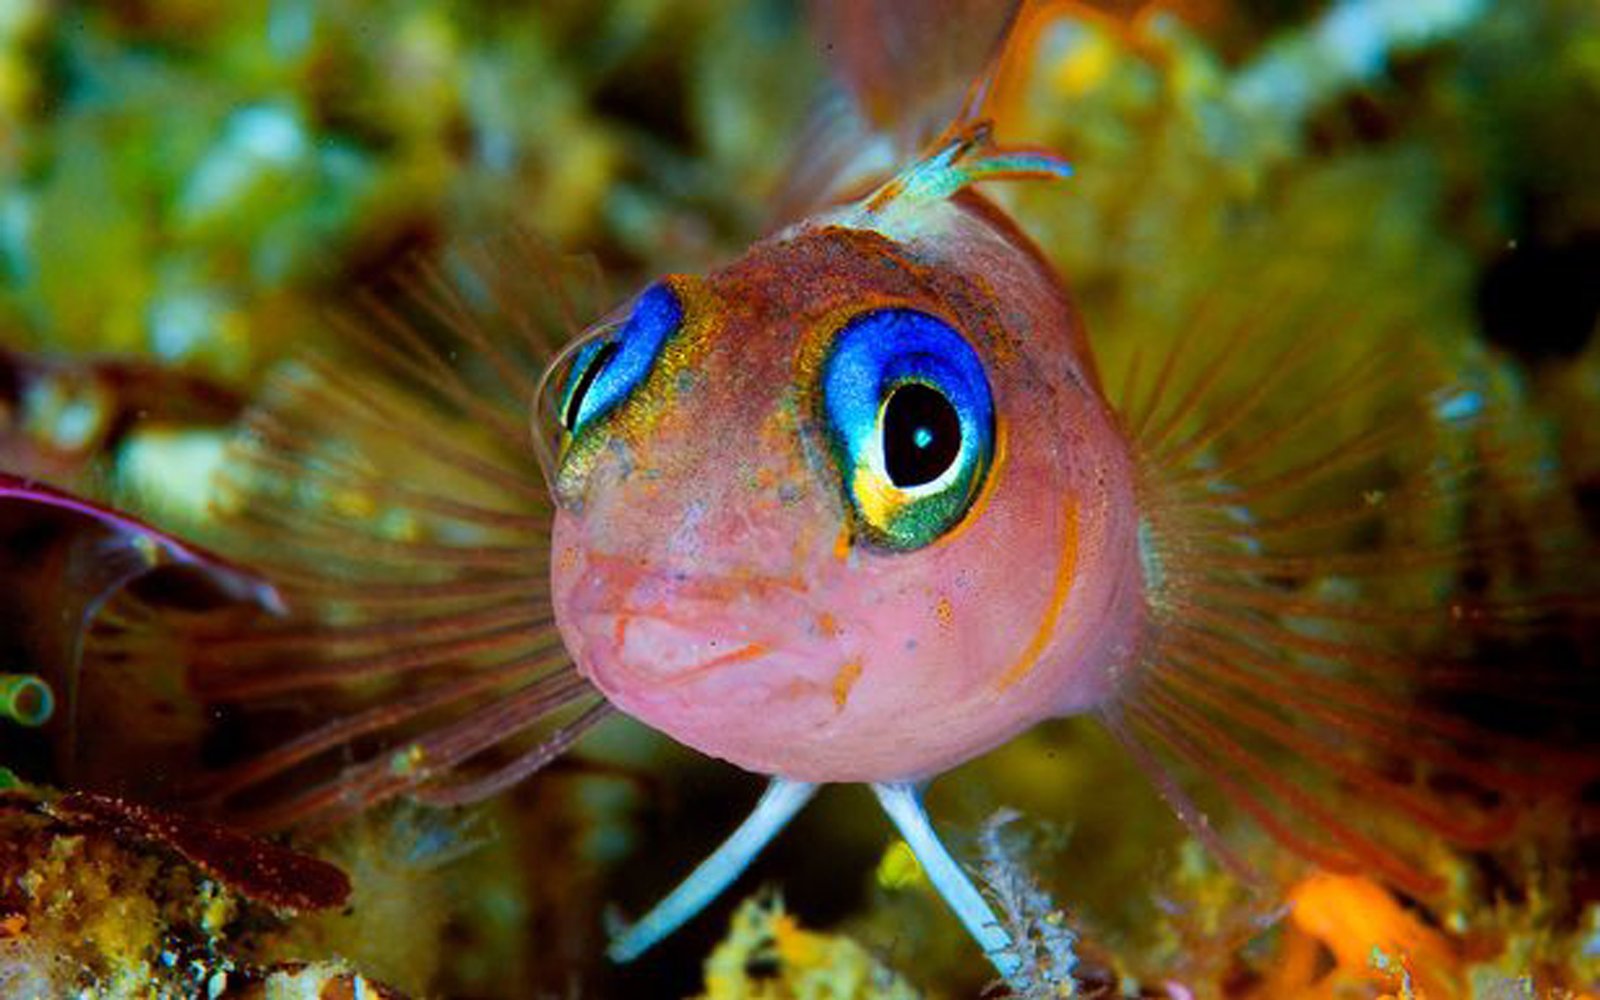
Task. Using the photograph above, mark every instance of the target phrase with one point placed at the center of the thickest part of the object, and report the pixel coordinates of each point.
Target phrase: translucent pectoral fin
(772, 813)
(903, 803)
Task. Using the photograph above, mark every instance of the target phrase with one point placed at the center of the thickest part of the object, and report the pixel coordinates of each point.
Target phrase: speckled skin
(706, 574)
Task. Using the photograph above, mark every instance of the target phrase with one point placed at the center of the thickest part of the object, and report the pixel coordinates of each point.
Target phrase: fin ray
(1314, 592)
(396, 500)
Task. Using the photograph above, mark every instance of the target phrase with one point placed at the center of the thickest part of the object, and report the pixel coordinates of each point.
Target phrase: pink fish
(855, 507)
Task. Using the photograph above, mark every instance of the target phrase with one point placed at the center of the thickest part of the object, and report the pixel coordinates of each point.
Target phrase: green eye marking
(910, 416)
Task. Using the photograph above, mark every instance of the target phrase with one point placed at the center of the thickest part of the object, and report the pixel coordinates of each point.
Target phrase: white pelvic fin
(772, 813)
(903, 803)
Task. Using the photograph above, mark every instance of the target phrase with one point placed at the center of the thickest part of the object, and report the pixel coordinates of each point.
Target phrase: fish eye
(910, 418)
(606, 370)
(921, 435)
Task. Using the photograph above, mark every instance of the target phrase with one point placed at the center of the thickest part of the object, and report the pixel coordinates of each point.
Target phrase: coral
(767, 955)
(1358, 921)
(319, 980)
(404, 899)
(83, 912)
(90, 906)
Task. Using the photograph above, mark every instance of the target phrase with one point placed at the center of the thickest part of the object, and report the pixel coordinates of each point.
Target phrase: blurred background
(187, 188)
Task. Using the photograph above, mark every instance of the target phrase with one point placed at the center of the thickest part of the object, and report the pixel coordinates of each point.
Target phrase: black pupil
(921, 435)
(597, 364)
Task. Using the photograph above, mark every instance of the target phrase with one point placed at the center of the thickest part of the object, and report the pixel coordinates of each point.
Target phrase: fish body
(738, 562)
(714, 573)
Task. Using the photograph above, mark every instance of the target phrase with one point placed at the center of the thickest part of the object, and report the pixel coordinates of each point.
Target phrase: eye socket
(607, 370)
(910, 417)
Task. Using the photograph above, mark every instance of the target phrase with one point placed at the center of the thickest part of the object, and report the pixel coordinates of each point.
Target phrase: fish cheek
(1028, 587)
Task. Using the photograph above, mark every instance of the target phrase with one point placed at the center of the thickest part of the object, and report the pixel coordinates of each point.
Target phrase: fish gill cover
(284, 292)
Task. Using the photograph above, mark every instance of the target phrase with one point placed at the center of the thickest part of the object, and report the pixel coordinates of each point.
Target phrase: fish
(860, 506)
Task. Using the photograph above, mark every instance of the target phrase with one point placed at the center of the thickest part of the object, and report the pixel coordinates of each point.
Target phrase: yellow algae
(767, 955)
(898, 868)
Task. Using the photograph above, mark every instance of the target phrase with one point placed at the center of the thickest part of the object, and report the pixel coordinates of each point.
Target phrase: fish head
(853, 507)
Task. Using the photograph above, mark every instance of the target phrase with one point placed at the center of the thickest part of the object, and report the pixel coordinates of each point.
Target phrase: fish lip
(616, 665)
(622, 584)
(650, 629)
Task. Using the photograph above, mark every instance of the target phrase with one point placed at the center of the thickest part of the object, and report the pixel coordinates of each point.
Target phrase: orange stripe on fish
(749, 651)
(1066, 572)
(844, 681)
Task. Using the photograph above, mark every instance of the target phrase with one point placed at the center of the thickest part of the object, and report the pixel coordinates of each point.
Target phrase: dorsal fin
(907, 73)
(910, 65)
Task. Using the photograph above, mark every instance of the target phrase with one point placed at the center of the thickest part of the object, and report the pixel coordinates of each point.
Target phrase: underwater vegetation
(1155, 447)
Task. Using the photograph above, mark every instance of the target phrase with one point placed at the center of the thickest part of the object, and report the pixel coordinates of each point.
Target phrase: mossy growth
(88, 911)
(767, 955)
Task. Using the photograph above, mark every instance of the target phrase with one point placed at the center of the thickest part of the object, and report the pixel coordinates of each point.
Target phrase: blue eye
(608, 369)
(910, 418)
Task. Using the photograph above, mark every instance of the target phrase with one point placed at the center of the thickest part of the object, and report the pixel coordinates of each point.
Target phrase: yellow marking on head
(827, 625)
(841, 545)
(886, 194)
(1066, 571)
(945, 612)
(878, 500)
(844, 680)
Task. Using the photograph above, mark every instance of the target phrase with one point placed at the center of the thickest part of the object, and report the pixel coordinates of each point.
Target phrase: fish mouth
(655, 634)
(632, 650)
